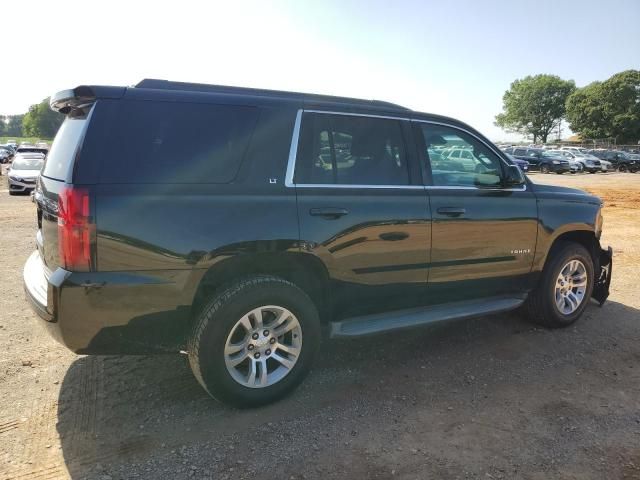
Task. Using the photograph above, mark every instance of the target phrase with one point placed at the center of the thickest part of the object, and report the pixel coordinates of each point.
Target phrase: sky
(454, 57)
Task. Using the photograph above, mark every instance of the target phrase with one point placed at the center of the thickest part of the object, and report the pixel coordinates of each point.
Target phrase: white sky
(454, 58)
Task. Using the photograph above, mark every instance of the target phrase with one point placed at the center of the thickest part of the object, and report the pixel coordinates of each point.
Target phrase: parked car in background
(573, 149)
(576, 166)
(523, 164)
(622, 161)
(24, 172)
(589, 163)
(541, 160)
(607, 166)
(27, 148)
(6, 154)
(12, 143)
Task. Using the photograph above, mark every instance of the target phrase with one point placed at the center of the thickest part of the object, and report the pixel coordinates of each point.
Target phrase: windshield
(27, 164)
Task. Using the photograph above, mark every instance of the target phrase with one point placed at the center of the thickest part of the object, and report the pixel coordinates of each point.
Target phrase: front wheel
(564, 288)
(544, 169)
(255, 341)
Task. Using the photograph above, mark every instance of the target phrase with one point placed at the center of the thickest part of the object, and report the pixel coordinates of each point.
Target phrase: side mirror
(514, 176)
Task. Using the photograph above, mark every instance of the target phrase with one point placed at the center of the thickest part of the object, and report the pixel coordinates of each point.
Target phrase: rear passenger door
(362, 209)
(483, 234)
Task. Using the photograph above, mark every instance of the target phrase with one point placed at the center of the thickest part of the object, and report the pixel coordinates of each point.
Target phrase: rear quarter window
(168, 142)
(61, 157)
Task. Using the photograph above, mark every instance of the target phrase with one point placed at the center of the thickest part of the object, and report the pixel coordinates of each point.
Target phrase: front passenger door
(483, 234)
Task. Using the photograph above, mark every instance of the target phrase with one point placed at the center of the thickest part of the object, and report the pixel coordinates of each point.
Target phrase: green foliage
(19, 140)
(13, 126)
(41, 121)
(609, 109)
(534, 105)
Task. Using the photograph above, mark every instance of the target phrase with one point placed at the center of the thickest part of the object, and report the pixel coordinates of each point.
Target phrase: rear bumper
(601, 287)
(111, 312)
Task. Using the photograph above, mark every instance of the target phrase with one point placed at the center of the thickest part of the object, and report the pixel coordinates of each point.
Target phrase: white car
(24, 172)
(576, 150)
(607, 166)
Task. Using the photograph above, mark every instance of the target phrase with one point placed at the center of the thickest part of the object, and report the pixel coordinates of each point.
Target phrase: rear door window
(170, 142)
(351, 150)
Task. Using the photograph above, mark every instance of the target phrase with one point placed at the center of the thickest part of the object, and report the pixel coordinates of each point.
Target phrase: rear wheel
(255, 341)
(544, 168)
(564, 289)
(622, 167)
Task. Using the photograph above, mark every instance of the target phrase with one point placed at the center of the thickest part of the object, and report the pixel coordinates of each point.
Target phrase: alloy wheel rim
(571, 286)
(263, 346)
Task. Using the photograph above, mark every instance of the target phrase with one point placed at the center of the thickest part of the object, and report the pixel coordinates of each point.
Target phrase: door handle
(330, 213)
(451, 211)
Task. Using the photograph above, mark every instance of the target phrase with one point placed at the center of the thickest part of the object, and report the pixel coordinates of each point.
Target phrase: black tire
(214, 323)
(622, 168)
(559, 173)
(544, 169)
(540, 307)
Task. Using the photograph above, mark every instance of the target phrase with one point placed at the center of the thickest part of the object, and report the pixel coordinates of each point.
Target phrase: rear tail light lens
(76, 231)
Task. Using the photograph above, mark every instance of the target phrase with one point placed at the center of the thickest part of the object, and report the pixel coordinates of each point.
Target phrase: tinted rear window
(32, 150)
(167, 142)
(63, 149)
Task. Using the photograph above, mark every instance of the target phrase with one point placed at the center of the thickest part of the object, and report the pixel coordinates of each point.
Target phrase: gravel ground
(488, 398)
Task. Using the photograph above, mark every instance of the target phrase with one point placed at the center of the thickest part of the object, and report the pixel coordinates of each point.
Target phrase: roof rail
(202, 87)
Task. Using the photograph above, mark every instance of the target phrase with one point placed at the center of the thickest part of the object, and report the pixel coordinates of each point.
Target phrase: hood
(24, 173)
(567, 193)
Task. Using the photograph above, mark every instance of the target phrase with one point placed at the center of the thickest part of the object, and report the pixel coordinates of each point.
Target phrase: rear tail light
(76, 231)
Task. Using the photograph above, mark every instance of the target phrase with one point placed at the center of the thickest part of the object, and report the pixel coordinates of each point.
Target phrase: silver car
(24, 172)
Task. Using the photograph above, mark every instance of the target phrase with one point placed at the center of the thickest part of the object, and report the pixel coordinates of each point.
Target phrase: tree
(3, 125)
(609, 109)
(14, 126)
(41, 121)
(534, 106)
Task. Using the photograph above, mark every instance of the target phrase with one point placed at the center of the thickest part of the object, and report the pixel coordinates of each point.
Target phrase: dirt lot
(487, 398)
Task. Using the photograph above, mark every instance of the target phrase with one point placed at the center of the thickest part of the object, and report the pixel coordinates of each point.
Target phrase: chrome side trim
(333, 185)
(293, 151)
(486, 189)
(347, 114)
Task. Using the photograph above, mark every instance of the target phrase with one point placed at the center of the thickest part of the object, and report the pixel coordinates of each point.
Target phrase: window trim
(293, 152)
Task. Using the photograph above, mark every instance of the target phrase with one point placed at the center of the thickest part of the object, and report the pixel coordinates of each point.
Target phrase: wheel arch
(303, 270)
(586, 238)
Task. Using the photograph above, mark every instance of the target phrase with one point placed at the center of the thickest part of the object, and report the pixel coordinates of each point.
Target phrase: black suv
(541, 160)
(623, 161)
(239, 225)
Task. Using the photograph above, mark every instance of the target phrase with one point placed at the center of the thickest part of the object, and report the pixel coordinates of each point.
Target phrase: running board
(381, 322)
